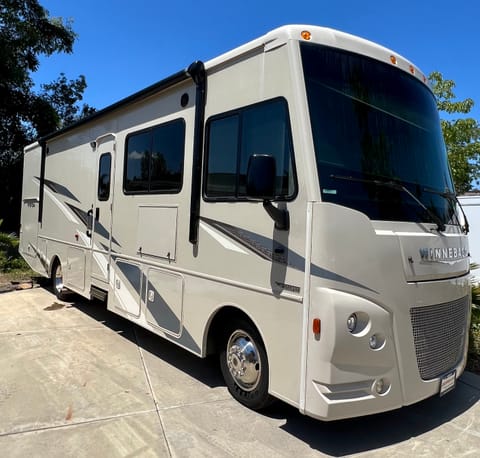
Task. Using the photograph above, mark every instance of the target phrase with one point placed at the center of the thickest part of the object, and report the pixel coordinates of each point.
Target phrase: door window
(104, 169)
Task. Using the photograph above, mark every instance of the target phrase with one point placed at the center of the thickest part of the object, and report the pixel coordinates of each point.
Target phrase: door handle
(89, 222)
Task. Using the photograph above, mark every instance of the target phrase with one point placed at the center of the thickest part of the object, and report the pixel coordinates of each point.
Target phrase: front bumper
(347, 376)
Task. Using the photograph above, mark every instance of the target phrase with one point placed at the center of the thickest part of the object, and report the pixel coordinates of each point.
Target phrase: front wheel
(244, 365)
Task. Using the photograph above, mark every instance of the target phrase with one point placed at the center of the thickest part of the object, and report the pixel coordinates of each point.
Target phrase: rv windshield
(372, 123)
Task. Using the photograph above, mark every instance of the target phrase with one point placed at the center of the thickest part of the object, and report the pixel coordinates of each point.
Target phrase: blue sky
(124, 45)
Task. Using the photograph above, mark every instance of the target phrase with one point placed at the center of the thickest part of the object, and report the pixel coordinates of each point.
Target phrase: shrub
(10, 259)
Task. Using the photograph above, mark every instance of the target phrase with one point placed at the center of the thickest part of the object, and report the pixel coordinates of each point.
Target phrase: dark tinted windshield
(372, 122)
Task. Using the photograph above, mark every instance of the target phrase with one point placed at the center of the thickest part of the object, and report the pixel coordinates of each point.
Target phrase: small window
(154, 159)
(234, 137)
(104, 168)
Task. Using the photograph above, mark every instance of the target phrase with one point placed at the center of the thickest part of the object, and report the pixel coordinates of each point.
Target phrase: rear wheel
(244, 365)
(57, 281)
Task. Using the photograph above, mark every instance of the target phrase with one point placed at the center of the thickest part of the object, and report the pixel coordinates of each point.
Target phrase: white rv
(287, 205)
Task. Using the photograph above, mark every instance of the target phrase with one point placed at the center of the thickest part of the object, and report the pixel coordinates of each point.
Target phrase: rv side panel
(29, 247)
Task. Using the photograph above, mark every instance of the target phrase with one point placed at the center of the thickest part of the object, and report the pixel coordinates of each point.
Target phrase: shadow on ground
(333, 438)
(205, 371)
(364, 434)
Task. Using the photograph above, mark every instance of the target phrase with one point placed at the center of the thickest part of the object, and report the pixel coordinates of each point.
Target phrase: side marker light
(306, 35)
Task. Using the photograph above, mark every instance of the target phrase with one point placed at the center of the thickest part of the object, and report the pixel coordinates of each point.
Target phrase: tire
(57, 281)
(244, 365)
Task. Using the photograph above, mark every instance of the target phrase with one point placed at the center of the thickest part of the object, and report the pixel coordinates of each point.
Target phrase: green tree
(26, 33)
(62, 95)
(461, 134)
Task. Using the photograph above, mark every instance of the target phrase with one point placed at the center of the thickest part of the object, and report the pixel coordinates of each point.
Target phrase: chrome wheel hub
(58, 280)
(243, 360)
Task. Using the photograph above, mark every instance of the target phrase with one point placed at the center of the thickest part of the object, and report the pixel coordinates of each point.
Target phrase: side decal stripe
(273, 251)
(60, 189)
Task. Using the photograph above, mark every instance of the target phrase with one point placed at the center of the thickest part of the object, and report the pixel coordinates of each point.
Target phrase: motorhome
(287, 205)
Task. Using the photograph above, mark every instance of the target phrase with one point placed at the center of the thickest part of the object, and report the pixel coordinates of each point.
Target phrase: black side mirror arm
(279, 215)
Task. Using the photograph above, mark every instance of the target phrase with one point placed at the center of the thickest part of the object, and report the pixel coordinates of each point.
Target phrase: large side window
(104, 168)
(234, 137)
(154, 159)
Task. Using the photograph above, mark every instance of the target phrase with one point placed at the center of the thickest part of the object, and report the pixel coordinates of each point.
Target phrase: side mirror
(261, 175)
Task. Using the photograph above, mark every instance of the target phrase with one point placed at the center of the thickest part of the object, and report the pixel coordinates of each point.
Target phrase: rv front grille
(439, 333)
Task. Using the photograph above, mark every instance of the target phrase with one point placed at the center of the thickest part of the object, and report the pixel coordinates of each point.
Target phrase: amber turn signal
(306, 35)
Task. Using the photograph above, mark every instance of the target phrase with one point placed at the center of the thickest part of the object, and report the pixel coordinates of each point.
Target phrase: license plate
(447, 382)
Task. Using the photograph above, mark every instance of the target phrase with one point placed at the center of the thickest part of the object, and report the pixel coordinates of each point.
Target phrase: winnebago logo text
(443, 254)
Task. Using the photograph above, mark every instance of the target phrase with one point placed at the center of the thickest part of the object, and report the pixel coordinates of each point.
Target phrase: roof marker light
(306, 35)
(393, 60)
(412, 69)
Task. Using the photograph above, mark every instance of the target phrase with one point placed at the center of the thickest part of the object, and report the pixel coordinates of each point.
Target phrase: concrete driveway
(76, 380)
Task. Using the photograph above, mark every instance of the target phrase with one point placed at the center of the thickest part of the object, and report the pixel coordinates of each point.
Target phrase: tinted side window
(222, 157)
(137, 162)
(167, 157)
(104, 168)
(154, 159)
(232, 138)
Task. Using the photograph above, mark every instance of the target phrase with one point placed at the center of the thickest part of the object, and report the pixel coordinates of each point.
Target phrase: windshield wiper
(452, 198)
(398, 187)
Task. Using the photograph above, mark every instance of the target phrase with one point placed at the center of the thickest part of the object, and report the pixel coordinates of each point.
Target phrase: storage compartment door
(164, 300)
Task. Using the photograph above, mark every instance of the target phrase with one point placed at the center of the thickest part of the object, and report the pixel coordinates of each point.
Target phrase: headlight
(381, 386)
(352, 322)
(376, 341)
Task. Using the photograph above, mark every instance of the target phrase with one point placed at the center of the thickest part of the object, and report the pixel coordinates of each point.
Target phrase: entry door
(102, 210)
